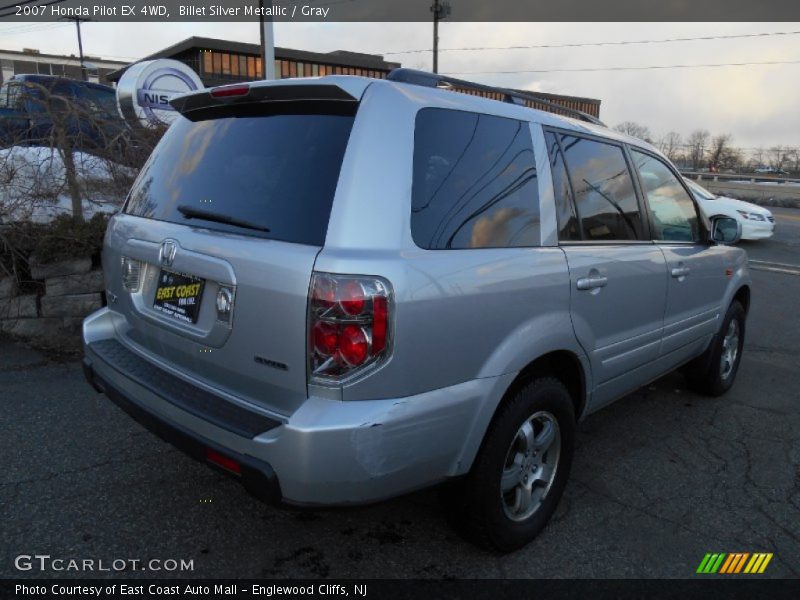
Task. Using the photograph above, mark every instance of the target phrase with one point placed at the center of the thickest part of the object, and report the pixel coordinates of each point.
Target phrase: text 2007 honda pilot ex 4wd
(343, 289)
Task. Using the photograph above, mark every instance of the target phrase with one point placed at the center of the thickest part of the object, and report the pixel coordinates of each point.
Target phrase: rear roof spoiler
(258, 92)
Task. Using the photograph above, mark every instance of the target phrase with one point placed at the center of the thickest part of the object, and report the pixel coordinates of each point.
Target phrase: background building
(218, 62)
(30, 61)
(590, 106)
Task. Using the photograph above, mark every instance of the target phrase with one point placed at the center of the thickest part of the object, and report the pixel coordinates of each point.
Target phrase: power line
(643, 68)
(25, 26)
(606, 43)
(32, 28)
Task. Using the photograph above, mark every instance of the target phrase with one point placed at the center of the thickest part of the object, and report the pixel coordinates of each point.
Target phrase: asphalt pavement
(660, 478)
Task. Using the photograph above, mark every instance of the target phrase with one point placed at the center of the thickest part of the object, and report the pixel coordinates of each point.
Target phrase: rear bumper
(257, 477)
(328, 452)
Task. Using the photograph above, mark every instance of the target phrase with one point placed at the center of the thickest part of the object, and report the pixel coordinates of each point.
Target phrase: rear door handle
(591, 283)
(680, 271)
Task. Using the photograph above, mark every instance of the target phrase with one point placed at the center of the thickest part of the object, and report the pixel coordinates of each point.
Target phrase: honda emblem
(169, 248)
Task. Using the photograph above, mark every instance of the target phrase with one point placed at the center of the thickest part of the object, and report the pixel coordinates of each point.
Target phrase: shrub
(62, 239)
(65, 238)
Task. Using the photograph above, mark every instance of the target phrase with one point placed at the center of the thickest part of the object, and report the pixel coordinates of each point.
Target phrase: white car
(757, 222)
(771, 171)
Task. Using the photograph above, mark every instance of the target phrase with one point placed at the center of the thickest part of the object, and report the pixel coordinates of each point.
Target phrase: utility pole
(80, 46)
(267, 43)
(440, 10)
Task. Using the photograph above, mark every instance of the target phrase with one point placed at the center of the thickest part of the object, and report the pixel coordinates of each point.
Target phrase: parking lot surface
(660, 478)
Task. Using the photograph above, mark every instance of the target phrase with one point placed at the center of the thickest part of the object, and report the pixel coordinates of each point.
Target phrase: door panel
(618, 297)
(618, 283)
(696, 285)
(696, 273)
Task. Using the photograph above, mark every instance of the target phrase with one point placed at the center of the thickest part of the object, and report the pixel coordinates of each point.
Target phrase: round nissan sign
(145, 89)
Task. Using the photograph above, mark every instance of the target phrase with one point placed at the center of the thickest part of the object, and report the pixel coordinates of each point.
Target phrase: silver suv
(342, 289)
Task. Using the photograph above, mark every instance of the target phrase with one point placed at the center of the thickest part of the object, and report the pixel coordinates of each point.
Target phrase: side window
(16, 96)
(8, 95)
(474, 182)
(565, 208)
(98, 101)
(603, 187)
(62, 89)
(33, 97)
(107, 100)
(674, 213)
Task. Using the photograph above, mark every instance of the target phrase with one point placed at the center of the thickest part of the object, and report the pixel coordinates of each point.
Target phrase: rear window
(277, 173)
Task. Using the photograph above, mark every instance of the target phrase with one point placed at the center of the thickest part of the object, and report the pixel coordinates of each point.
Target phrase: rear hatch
(211, 258)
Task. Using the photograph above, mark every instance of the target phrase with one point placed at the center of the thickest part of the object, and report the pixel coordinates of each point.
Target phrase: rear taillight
(349, 325)
(131, 274)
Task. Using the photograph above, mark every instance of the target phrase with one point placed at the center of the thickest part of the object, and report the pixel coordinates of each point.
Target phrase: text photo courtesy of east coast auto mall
(434, 298)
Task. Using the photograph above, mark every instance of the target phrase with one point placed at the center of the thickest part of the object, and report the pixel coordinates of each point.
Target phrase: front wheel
(714, 371)
(521, 470)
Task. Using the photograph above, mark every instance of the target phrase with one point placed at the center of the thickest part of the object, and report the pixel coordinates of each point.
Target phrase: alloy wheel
(530, 466)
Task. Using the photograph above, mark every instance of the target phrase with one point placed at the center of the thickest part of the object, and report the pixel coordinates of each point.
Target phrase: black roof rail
(427, 79)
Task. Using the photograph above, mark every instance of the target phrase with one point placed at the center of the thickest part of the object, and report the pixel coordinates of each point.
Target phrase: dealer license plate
(178, 295)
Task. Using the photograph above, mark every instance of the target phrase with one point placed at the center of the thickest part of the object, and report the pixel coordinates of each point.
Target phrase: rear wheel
(521, 470)
(714, 371)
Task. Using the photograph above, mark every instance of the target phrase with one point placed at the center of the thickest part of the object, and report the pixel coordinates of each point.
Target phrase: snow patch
(33, 185)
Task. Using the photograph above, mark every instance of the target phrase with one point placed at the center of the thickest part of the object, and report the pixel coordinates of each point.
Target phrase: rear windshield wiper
(206, 215)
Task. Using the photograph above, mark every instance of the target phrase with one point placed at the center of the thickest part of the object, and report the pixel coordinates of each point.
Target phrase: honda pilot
(342, 289)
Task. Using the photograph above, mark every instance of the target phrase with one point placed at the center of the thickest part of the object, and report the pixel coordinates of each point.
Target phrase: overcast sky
(758, 105)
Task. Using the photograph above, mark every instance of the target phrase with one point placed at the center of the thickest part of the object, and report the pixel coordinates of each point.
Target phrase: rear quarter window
(475, 182)
(277, 171)
(565, 207)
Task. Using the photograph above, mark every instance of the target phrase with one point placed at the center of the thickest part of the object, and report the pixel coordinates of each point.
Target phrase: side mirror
(725, 230)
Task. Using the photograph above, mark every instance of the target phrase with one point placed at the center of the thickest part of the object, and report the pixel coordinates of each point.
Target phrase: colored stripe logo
(734, 563)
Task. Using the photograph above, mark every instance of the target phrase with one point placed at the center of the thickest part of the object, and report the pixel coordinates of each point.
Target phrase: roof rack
(424, 78)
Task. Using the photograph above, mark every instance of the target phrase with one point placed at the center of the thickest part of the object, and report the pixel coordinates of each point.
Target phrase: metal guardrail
(765, 190)
(744, 177)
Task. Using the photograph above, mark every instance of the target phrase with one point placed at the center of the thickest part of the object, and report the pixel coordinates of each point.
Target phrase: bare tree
(697, 143)
(58, 130)
(67, 152)
(670, 144)
(757, 157)
(722, 155)
(777, 157)
(75, 148)
(734, 159)
(634, 129)
(71, 155)
(793, 156)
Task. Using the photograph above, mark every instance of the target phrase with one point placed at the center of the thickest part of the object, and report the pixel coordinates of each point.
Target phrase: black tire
(476, 505)
(706, 374)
